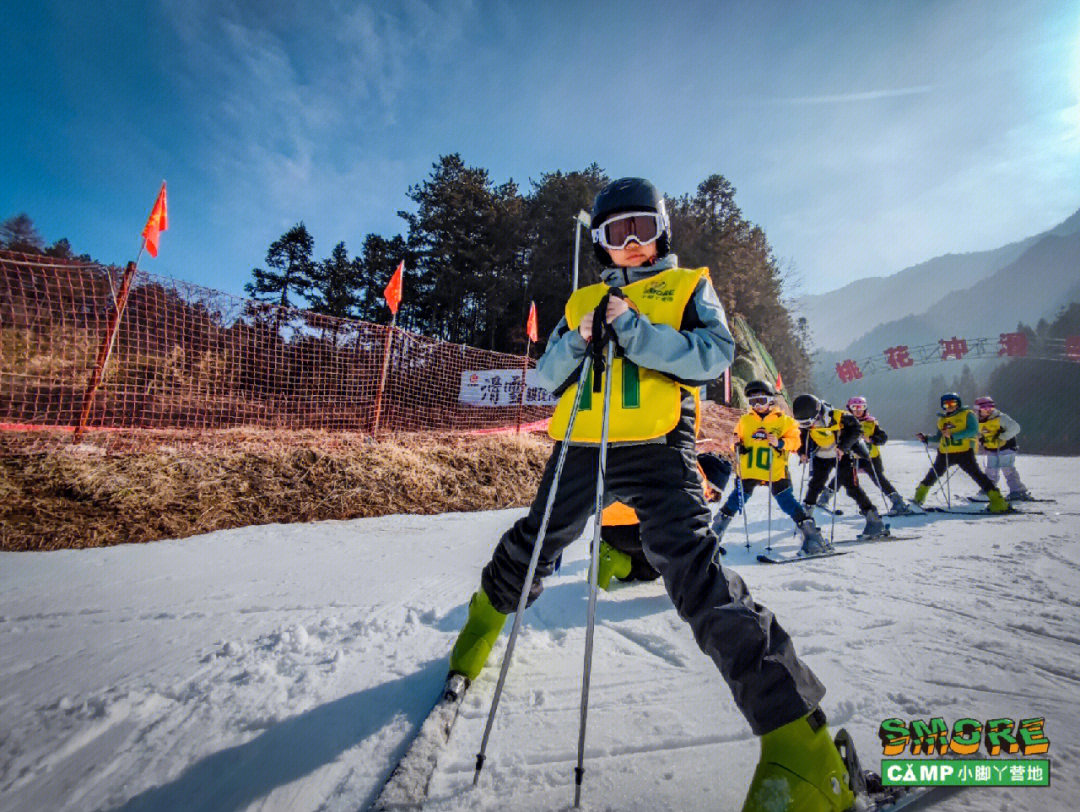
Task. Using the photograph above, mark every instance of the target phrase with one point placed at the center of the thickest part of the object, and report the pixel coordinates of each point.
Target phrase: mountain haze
(841, 316)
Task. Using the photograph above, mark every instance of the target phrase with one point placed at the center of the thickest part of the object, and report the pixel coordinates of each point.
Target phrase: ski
(983, 500)
(794, 559)
(407, 785)
(907, 511)
(872, 795)
(860, 539)
(1013, 511)
(829, 511)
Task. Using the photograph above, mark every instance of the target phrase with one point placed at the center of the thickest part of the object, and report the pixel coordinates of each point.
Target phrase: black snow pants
(967, 463)
(874, 469)
(822, 467)
(756, 657)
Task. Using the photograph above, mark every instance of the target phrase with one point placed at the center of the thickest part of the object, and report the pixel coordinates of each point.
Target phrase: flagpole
(112, 328)
(382, 375)
(524, 371)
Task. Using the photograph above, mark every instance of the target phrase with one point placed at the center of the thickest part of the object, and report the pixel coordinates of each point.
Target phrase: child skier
(997, 438)
(834, 438)
(672, 338)
(764, 438)
(956, 435)
(622, 555)
(875, 437)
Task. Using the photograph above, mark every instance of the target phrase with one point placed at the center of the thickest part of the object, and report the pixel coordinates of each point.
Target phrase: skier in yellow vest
(997, 439)
(764, 438)
(957, 431)
(874, 436)
(672, 338)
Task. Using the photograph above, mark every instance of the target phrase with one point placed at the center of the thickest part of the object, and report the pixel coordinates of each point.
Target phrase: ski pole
(586, 367)
(742, 492)
(937, 476)
(948, 484)
(835, 493)
(594, 566)
(877, 481)
(768, 542)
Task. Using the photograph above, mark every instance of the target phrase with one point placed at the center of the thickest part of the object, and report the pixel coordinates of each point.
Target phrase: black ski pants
(967, 463)
(822, 467)
(876, 471)
(626, 538)
(756, 657)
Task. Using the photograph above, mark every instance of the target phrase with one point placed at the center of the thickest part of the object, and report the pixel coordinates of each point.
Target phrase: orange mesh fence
(190, 358)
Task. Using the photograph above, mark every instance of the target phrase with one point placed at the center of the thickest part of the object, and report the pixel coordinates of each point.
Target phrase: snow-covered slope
(284, 667)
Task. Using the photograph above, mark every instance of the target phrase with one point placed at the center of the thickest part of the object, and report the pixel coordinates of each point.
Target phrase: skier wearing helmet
(671, 338)
(834, 438)
(764, 438)
(875, 437)
(997, 438)
(957, 432)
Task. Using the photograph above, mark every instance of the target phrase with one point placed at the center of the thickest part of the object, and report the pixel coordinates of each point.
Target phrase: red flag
(530, 326)
(393, 288)
(158, 222)
(779, 382)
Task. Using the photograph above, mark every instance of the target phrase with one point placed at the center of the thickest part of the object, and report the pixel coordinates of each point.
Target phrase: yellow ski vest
(825, 437)
(755, 464)
(958, 421)
(645, 404)
(990, 432)
(868, 428)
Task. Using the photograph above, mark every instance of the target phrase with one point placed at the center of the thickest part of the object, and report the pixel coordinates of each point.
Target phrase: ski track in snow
(285, 667)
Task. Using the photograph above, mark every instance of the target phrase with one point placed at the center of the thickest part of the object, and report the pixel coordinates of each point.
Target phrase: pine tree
(18, 233)
(291, 264)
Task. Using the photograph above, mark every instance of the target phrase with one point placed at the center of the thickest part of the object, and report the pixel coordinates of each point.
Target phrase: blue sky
(862, 136)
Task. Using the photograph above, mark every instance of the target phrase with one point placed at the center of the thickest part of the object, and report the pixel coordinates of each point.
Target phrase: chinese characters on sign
(501, 387)
(954, 347)
(898, 357)
(1013, 344)
(848, 371)
(1072, 348)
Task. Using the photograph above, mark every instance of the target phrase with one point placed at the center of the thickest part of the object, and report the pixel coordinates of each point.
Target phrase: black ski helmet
(630, 194)
(951, 396)
(758, 388)
(806, 408)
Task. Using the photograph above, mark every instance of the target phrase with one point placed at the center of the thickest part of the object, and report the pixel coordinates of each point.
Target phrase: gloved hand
(859, 450)
(920, 437)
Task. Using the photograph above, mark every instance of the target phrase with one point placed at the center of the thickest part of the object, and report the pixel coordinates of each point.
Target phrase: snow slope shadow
(233, 779)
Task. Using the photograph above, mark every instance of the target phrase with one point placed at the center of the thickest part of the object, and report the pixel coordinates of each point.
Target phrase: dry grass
(142, 486)
(79, 496)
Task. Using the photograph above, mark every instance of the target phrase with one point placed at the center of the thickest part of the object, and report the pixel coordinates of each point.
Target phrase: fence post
(105, 350)
(521, 396)
(382, 376)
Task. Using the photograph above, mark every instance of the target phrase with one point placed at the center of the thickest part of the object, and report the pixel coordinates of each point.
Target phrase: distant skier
(956, 435)
(672, 338)
(875, 437)
(997, 439)
(622, 553)
(832, 439)
(765, 437)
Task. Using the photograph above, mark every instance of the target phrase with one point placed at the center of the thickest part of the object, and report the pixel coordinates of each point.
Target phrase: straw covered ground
(138, 487)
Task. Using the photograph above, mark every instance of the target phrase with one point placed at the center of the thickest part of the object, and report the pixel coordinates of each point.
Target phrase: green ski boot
(997, 502)
(920, 494)
(800, 770)
(612, 564)
(477, 637)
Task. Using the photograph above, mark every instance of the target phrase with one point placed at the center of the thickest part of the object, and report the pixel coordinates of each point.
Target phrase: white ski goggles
(643, 227)
(760, 400)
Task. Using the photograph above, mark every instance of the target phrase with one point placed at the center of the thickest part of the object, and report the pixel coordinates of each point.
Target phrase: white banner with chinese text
(502, 387)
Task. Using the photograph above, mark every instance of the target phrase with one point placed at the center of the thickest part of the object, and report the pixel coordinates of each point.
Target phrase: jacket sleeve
(694, 355)
(1009, 427)
(879, 437)
(562, 357)
(970, 430)
(790, 439)
(850, 432)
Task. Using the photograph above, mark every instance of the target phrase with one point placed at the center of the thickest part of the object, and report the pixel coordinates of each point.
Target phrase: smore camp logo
(965, 741)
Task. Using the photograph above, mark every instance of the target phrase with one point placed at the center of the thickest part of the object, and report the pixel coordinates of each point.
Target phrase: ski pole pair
(942, 488)
(599, 357)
